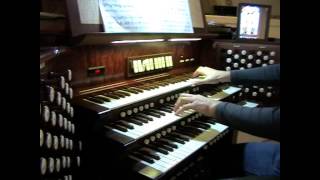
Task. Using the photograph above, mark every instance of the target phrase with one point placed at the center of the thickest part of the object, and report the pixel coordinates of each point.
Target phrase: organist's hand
(198, 103)
(208, 75)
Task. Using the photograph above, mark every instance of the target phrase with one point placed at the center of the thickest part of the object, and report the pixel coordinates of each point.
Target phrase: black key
(181, 136)
(199, 125)
(136, 89)
(175, 139)
(134, 121)
(170, 105)
(143, 157)
(157, 111)
(141, 119)
(152, 114)
(150, 154)
(165, 109)
(194, 129)
(209, 121)
(119, 127)
(111, 96)
(124, 93)
(169, 143)
(163, 146)
(185, 132)
(125, 124)
(158, 149)
(103, 98)
(95, 100)
(120, 95)
(144, 116)
(130, 91)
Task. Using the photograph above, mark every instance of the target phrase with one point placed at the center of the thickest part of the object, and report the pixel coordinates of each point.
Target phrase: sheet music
(165, 16)
(89, 11)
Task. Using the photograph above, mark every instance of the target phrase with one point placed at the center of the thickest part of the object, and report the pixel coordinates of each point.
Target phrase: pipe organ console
(112, 107)
(243, 55)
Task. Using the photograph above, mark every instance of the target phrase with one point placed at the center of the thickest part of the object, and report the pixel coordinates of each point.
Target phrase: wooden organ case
(122, 115)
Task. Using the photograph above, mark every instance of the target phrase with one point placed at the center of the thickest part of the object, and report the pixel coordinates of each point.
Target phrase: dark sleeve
(263, 122)
(269, 75)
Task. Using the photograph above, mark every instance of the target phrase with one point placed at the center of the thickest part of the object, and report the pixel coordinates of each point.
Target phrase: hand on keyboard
(206, 75)
(198, 103)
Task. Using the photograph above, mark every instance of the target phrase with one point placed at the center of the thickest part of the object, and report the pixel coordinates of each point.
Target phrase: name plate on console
(149, 64)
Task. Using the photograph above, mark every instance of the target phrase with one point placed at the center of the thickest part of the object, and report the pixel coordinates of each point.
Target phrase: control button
(68, 162)
(258, 61)
(172, 97)
(140, 108)
(152, 138)
(68, 107)
(236, 56)
(228, 68)
(71, 144)
(264, 65)
(129, 112)
(250, 57)
(169, 130)
(254, 94)
(66, 89)
(246, 90)
(64, 103)
(78, 161)
(69, 126)
(152, 105)
(58, 165)
(249, 65)
(146, 106)
(161, 101)
(53, 118)
(51, 165)
(123, 114)
(72, 129)
(48, 140)
(241, 68)
(163, 133)
(243, 52)
(58, 98)
(41, 138)
(182, 123)
(65, 123)
(272, 53)
(235, 65)
(269, 94)
(261, 90)
(259, 53)
(70, 93)
(135, 110)
(46, 113)
(228, 60)
(158, 135)
(60, 120)
(51, 94)
(243, 61)
(174, 128)
(271, 61)
(229, 51)
(80, 145)
(55, 142)
(265, 57)
(64, 162)
(62, 141)
(67, 143)
(71, 112)
(43, 166)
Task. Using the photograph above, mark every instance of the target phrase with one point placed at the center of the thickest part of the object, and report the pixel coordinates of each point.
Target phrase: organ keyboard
(137, 122)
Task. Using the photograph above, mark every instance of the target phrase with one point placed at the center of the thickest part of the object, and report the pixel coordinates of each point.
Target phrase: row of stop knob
(146, 106)
(258, 53)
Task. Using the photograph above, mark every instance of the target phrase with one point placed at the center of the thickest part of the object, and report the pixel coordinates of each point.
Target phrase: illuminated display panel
(147, 64)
